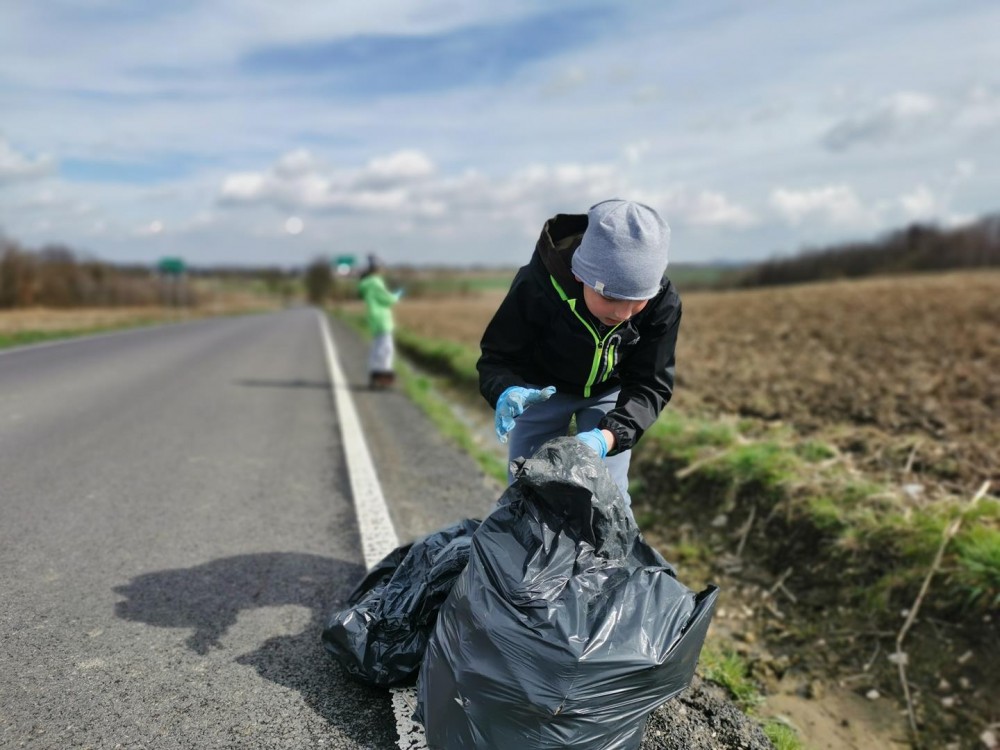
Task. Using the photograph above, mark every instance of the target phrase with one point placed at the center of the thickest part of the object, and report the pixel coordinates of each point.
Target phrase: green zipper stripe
(598, 342)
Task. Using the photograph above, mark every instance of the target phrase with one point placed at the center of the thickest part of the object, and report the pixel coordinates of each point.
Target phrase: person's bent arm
(647, 377)
(506, 343)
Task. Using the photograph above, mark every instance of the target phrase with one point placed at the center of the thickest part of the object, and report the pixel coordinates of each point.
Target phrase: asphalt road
(176, 525)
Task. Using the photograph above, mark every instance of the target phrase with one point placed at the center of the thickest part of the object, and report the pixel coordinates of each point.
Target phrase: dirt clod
(702, 718)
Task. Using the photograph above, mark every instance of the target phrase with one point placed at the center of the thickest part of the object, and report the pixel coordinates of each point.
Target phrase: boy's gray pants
(549, 419)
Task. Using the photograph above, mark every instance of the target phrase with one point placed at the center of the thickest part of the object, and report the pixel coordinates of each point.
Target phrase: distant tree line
(914, 249)
(54, 276)
(322, 285)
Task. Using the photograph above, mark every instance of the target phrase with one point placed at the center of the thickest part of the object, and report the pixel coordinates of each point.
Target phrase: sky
(253, 132)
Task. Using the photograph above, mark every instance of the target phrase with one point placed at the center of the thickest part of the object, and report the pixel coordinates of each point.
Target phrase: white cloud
(634, 152)
(299, 182)
(833, 204)
(406, 183)
(565, 82)
(923, 203)
(979, 109)
(294, 225)
(407, 188)
(142, 128)
(710, 208)
(900, 114)
(53, 201)
(296, 163)
(919, 204)
(244, 187)
(151, 229)
(964, 169)
(908, 115)
(16, 167)
(407, 165)
(956, 221)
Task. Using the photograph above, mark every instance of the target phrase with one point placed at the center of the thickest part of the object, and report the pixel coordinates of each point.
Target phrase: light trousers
(381, 353)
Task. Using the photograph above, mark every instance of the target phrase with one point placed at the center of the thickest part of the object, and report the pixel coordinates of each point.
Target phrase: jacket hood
(560, 238)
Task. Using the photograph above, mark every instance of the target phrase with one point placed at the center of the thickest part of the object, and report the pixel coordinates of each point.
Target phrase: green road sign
(171, 266)
(343, 264)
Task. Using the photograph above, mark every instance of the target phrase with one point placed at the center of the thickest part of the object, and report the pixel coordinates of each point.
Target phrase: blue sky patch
(471, 55)
(410, 132)
(131, 173)
(112, 13)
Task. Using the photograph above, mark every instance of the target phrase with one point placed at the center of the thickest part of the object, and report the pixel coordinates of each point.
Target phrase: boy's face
(611, 311)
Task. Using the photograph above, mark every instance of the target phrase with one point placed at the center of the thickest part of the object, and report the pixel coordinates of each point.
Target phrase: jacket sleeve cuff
(624, 437)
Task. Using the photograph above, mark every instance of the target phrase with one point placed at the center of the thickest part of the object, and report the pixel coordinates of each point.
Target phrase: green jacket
(379, 302)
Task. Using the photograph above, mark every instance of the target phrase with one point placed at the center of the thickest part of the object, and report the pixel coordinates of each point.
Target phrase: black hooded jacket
(543, 334)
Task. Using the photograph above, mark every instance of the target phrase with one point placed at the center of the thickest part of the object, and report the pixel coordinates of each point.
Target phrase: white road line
(378, 537)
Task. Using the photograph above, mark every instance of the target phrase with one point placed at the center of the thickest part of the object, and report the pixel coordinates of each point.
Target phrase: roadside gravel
(428, 484)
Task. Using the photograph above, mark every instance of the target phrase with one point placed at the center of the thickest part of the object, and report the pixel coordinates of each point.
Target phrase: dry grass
(41, 319)
(47, 320)
(460, 319)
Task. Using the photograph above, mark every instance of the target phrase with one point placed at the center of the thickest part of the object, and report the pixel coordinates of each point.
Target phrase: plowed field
(903, 375)
(912, 357)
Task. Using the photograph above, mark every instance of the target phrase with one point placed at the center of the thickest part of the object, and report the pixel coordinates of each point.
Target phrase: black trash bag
(381, 635)
(566, 629)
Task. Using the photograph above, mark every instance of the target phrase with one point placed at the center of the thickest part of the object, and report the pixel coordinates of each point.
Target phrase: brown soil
(915, 356)
(819, 655)
(841, 719)
(702, 718)
(799, 688)
(904, 375)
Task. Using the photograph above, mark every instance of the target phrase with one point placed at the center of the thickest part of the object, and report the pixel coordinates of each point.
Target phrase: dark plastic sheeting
(565, 629)
(381, 635)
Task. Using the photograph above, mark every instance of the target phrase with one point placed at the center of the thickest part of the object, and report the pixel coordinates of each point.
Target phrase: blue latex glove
(594, 439)
(398, 294)
(512, 404)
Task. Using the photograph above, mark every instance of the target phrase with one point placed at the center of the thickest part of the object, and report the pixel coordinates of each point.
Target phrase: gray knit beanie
(623, 253)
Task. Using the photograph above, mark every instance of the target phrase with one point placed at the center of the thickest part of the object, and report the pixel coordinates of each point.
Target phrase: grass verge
(451, 360)
(860, 535)
(885, 537)
(880, 535)
(427, 394)
(728, 669)
(10, 339)
(456, 364)
(423, 392)
(25, 338)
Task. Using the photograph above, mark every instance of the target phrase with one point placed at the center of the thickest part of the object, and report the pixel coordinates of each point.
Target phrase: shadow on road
(209, 598)
(298, 383)
(324, 384)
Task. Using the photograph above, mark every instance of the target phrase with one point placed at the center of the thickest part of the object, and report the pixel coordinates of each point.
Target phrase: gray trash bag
(381, 635)
(565, 630)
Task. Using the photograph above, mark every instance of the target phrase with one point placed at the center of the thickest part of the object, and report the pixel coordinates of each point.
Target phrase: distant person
(588, 329)
(378, 304)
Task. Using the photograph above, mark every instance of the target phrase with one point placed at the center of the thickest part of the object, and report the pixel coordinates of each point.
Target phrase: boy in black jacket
(588, 328)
